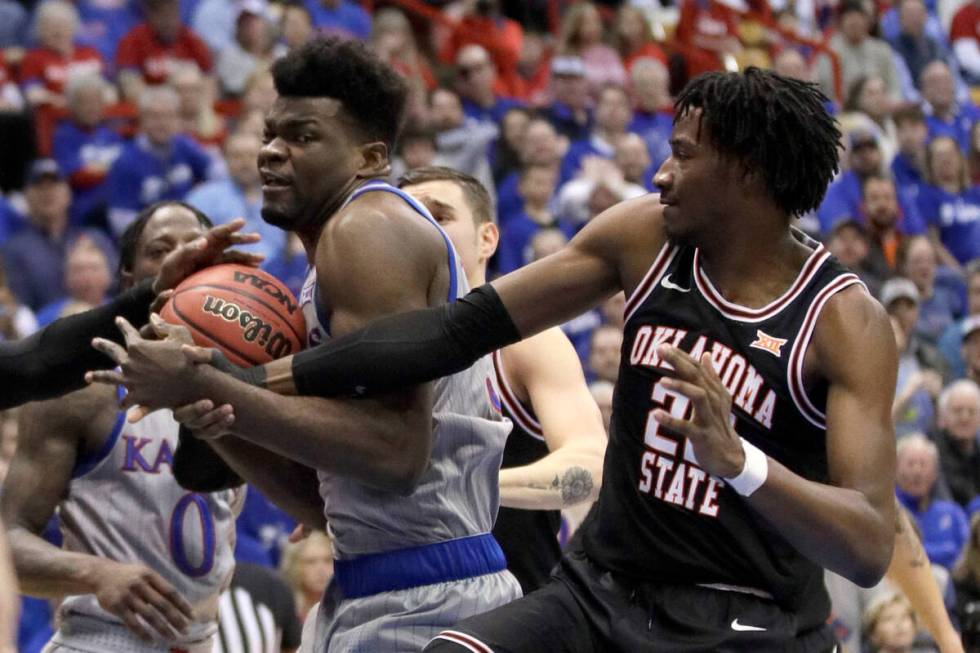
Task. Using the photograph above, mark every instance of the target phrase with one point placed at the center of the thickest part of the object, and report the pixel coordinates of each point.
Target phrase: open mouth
(272, 181)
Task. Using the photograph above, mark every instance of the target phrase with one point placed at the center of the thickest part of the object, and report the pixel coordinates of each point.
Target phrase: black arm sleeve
(407, 349)
(198, 468)
(54, 360)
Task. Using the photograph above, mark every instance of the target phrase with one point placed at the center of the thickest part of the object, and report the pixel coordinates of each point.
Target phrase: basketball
(246, 313)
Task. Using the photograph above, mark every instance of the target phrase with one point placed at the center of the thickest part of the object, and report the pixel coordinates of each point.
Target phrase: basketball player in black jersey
(553, 457)
(751, 437)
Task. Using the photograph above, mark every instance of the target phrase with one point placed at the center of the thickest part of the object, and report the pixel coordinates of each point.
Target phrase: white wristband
(754, 473)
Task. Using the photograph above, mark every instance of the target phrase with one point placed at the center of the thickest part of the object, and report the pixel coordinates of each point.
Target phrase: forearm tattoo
(576, 485)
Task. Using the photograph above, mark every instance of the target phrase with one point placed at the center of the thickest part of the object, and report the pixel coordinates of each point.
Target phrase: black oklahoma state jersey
(529, 538)
(661, 518)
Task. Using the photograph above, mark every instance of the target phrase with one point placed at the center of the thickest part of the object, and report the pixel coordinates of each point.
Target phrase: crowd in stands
(562, 109)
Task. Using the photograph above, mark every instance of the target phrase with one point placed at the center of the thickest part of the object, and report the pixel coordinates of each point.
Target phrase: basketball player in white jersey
(408, 481)
(143, 560)
(553, 457)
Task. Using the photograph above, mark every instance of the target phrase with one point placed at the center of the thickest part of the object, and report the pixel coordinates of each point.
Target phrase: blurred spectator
(546, 242)
(604, 352)
(11, 220)
(308, 567)
(943, 523)
(971, 347)
(197, 116)
(964, 34)
(613, 114)
(653, 111)
(149, 52)
(483, 23)
(868, 95)
(843, 198)
(159, 164)
(537, 186)
(260, 93)
(920, 378)
(959, 439)
(47, 68)
(475, 85)
(13, 24)
(581, 36)
(262, 530)
(949, 204)
(296, 25)
(632, 158)
(860, 54)
(945, 116)
(35, 256)
(393, 40)
(534, 68)
(505, 155)
(909, 164)
(938, 304)
(951, 342)
(104, 23)
(569, 111)
(16, 322)
(461, 143)
(416, 148)
(88, 277)
(540, 145)
(257, 613)
(708, 34)
(913, 43)
(240, 194)
(214, 21)
(85, 148)
(634, 37)
(602, 393)
(966, 576)
(849, 243)
(250, 49)
(973, 154)
(580, 199)
(11, 100)
(889, 624)
(884, 223)
(344, 18)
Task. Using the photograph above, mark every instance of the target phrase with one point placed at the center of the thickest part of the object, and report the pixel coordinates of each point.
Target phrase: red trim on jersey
(468, 642)
(795, 369)
(743, 314)
(649, 282)
(514, 406)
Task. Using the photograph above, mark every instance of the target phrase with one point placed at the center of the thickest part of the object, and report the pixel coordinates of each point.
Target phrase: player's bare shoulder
(83, 415)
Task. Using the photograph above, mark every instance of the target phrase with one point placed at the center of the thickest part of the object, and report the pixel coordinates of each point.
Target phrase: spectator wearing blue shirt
(949, 204)
(11, 220)
(540, 146)
(85, 148)
(613, 114)
(914, 43)
(569, 112)
(13, 24)
(103, 23)
(475, 77)
(653, 114)
(88, 278)
(240, 194)
(263, 529)
(159, 164)
(340, 18)
(289, 264)
(909, 165)
(844, 195)
(944, 115)
(943, 523)
(35, 257)
(939, 305)
(537, 187)
(951, 342)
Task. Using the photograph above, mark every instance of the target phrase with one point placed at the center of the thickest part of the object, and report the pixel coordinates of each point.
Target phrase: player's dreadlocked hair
(774, 126)
(372, 93)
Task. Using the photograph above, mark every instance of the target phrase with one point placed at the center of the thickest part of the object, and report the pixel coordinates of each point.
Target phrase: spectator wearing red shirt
(708, 31)
(46, 69)
(483, 24)
(964, 34)
(634, 37)
(149, 52)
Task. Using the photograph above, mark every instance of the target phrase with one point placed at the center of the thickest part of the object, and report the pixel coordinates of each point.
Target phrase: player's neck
(749, 274)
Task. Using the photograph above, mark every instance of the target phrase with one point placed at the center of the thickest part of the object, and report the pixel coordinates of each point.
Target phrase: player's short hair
(775, 126)
(129, 241)
(476, 195)
(372, 93)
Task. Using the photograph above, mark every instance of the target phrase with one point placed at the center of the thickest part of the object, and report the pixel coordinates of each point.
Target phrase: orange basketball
(246, 313)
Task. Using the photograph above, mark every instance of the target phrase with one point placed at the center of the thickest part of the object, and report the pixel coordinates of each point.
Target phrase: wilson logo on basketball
(254, 329)
(268, 288)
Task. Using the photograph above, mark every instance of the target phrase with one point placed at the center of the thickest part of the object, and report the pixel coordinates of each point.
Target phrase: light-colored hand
(204, 420)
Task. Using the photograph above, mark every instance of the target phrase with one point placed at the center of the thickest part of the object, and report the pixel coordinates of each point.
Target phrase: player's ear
(487, 239)
(374, 160)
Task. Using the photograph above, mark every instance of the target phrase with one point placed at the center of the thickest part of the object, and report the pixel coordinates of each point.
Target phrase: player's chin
(277, 214)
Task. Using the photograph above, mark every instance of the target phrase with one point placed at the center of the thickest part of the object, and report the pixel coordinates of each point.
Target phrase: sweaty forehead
(303, 109)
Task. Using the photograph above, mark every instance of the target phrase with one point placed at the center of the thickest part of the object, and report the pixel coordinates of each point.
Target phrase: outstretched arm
(546, 370)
